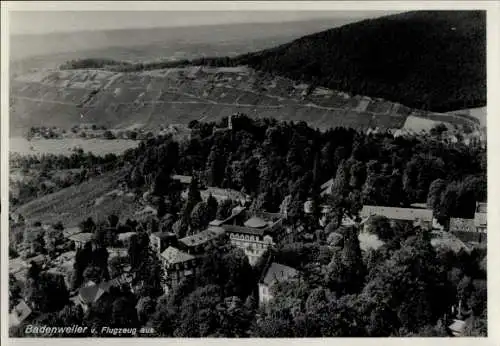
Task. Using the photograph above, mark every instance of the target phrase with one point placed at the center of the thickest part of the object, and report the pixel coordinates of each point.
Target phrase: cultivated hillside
(432, 60)
(149, 99)
(76, 203)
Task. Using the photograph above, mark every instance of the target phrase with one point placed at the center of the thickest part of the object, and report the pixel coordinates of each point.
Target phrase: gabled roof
(82, 237)
(216, 223)
(203, 237)
(90, 294)
(393, 213)
(173, 255)
(326, 187)
(279, 273)
(19, 313)
(255, 222)
(457, 327)
(68, 232)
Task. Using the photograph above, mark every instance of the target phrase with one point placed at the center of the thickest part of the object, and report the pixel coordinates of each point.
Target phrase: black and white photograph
(226, 173)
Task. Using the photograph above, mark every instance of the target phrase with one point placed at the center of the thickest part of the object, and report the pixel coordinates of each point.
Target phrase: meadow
(65, 146)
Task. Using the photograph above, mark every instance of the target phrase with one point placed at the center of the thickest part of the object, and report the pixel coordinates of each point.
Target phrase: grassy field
(76, 203)
(65, 146)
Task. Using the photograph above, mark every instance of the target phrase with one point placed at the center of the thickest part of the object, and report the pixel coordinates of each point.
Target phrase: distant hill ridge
(431, 60)
(425, 60)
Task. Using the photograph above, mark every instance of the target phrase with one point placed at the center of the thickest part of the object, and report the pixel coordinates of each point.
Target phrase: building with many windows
(178, 265)
(254, 233)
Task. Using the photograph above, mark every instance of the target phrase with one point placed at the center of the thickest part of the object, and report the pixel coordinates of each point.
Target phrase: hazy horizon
(60, 22)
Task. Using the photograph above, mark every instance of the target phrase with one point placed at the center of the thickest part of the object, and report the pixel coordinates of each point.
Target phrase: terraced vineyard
(178, 95)
(119, 100)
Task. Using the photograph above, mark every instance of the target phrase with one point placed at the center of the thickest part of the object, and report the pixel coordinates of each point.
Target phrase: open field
(76, 203)
(65, 146)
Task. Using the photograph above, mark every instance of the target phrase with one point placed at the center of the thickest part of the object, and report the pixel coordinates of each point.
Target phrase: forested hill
(433, 60)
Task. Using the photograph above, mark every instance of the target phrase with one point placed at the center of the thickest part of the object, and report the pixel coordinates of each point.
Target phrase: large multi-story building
(254, 233)
(178, 265)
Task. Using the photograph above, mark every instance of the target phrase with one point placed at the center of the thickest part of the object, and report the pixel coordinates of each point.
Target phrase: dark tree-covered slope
(433, 60)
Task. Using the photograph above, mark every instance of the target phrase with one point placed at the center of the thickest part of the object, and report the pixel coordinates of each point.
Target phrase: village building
(471, 229)
(254, 233)
(419, 217)
(19, 314)
(274, 274)
(81, 239)
(195, 244)
(326, 188)
(159, 241)
(183, 179)
(177, 265)
(91, 292)
(68, 232)
(124, 238)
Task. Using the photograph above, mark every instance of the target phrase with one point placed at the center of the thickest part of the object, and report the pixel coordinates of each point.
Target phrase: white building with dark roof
(420, 217)
(195, 244)
(80, 239)
(177, 265)
(254, 233)
(274, 274)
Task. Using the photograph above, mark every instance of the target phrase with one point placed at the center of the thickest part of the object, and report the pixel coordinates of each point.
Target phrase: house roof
(462, 225)
(419, 205)
(91, 294)
(163, 235)
(38, 259)
(147, 210)
(216, 223)
(482, 207)
(255, 222)
(184, 179)
(219, 193)
(457, 327)
(68, 232)
(279, 273)
(173, 255)
(480, 219)
(325, 188)
(126, 235)
(244, 230)
(19, 313)
(203, 237)
(407, 214)
(81, 237)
